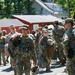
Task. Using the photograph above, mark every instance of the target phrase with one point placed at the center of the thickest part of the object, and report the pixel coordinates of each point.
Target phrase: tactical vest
(25, 46)
(22, 46)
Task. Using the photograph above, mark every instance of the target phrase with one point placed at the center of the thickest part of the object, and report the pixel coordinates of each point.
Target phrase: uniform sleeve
(65, 44)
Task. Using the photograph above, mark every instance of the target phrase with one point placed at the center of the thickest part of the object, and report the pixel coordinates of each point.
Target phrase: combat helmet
(56, 22)
(44, 30)
(4, 32)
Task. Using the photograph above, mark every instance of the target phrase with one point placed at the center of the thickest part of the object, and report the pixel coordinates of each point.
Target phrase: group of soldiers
(38, 48)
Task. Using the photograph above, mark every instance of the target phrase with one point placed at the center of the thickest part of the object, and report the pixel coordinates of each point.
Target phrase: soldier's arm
(65, 44)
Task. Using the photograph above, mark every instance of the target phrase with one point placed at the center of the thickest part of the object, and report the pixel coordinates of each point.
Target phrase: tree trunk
(68, 4)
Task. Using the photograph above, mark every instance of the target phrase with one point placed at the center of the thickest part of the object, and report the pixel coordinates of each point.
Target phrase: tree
(28, 7)
(7, 8)
(1, 8)
(74, 15)
(11, 7)
(68, 5)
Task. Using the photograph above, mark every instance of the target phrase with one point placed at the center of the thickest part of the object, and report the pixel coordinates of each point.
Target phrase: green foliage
(10, 7)
(65, 5)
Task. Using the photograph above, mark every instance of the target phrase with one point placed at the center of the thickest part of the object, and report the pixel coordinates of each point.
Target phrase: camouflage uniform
(24, 52)
(4, 42)
(24, 59)
(58, 33)
(46, 45)
(12, 61)
(0, 46)
(2, 52)
(37, 37)
(69, 48)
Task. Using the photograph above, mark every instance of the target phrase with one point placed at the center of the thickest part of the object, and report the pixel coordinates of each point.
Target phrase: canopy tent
(4, 24)
(8, 22)
(36, 19)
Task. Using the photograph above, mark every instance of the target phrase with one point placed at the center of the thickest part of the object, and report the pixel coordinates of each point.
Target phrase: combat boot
(35, 70)
(62, 62)
(4, 63)
(47, 69)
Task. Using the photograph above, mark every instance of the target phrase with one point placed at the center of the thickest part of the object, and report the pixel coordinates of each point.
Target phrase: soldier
(3, 51)
(38, 35)
(2, 43)
(69, 46)
(50, 34)
(46, 49)
(24, 52)
(12, 31)
(58, 33)
(4, 34)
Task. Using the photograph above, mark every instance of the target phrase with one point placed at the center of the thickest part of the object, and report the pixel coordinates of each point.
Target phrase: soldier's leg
(7, 58)
(10, 62)
(54, 57)
(48, 65)
(27, 72)
(70, 68)
(19, 67)
(0, 57)
(61, 55)
(7, 55)
(27, 67)
(14, 65)
(3, 57)
(57, 52)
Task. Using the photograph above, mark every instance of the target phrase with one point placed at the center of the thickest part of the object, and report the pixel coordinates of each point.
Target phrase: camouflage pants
(61, 54)
(70, 66)
(3, 56)
(2, 53)
(42, 62)
(13, 65)
(0, 57)
(23, 64)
